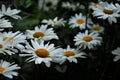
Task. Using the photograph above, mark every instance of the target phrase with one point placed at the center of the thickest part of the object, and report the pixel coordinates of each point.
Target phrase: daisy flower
(5, 23)
(47, 4)
(9, 12)
(15, 38)
(70, 54)
(77, 21)
(106, 11)
(69, 5)
(96, 28)
(41, 32)
(54, 22)
(8, 69)
(94, 4)
(87, 40)
(116, 52)
(41, 52)
(5, 47)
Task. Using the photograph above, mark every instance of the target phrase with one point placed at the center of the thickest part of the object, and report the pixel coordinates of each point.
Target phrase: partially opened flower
(78, 21)
(54, 22)
(8, 69)
(41, 52)
(70, 54)
(116, 52)
(87, 40)
(107, 11)
(41, 32)
(9, 12)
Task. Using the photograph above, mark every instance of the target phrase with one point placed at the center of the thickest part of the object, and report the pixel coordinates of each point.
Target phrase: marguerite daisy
(72, 6)
(5, 23)
(9, 12)
(78, 21)
(15, 38)
(116, 52)
(87, 40)
(96, 28)
(54, 22)
(106, 11)
(70, 54)
(5, 47)
(41, 32)
(8, 69)
(41, 52)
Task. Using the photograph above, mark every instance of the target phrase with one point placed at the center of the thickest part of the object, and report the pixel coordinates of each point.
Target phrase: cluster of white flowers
(37, 43)
(10, 41)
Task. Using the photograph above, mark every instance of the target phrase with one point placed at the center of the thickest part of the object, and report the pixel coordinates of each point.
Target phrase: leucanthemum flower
(116, 52)
(5, 47)
(46, 5)
(94, 4)
(54, 22)
(8, 69)
(106, 11)
(96, 28)
(5, 23)
(77, 21)
(15, 38)
(9, 12)
(72, 6)
(41, 52)
(87, 40)
(41, 32)
(70, 54)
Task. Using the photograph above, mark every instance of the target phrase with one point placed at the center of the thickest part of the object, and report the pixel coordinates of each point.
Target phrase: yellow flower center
(1, 46)
(54, 21)
(69, 53)
(42, 53)
(9, 38)
(96, 4)
(107, 11)
(2, 69)
(80, 21)
(97, 28)
(87, 38)
(38, 34)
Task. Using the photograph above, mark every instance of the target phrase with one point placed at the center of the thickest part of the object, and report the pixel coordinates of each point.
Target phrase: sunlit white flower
(41, 52)
(47, 4)
(5, 23)
(8, 69)
(78, 21)
(72, 6)
(106, 11)
(15, 38)
(96, 28)
(70, 54)
(54, 22)
(116, 52)
(87, 40)
(41, 32)
(9, 12)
